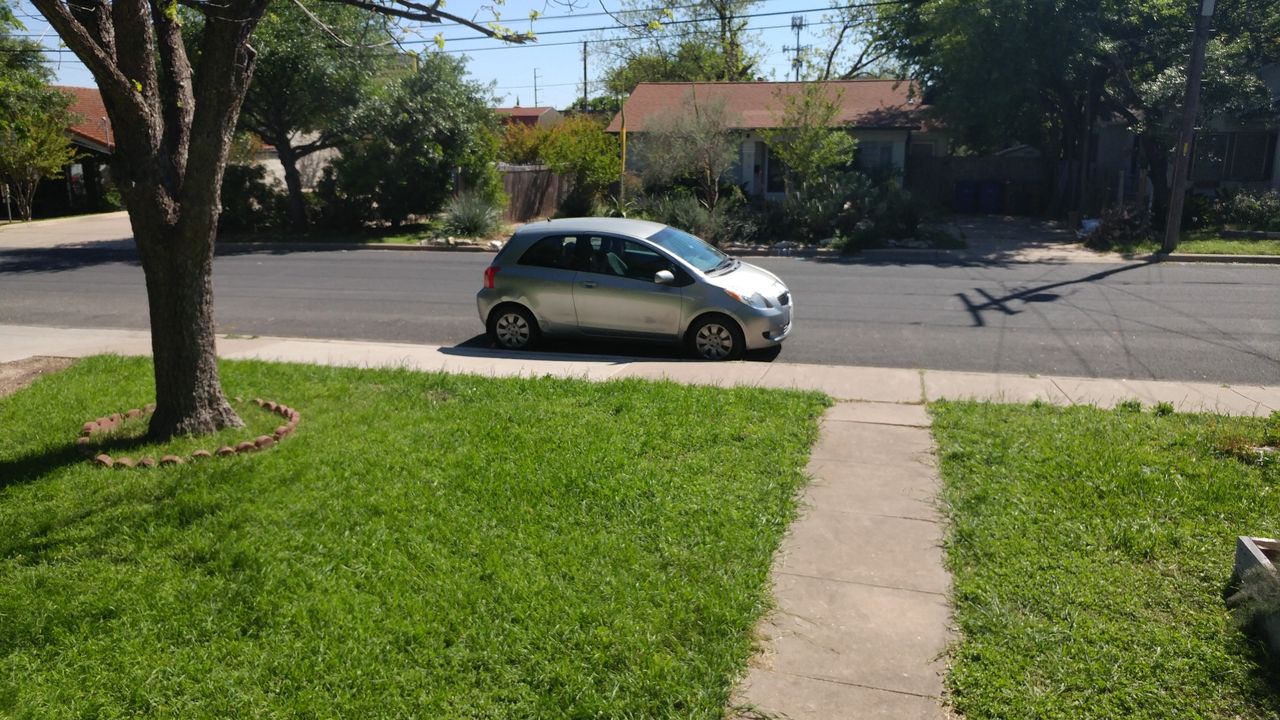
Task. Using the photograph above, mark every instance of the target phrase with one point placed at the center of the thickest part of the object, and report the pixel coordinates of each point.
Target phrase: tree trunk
(293, 182)
(179, 273)
(25, 194)
(1157, 157)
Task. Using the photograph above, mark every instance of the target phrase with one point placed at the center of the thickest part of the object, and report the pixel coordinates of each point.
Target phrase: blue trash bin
(965, 199)
(991, 197)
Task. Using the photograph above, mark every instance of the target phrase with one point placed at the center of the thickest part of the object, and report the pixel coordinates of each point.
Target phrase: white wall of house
(877, 149)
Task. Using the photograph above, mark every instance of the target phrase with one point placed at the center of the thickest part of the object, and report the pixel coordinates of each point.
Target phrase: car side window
(556, 251)
(642, 262)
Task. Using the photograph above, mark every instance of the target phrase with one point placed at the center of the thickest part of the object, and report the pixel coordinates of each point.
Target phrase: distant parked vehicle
(630, 279)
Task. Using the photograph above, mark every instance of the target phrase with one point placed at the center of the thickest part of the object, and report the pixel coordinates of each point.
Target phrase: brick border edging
(110, 422)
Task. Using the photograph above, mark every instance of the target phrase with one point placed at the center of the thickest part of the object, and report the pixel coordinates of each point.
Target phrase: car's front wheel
(716, 337)
(512, 327)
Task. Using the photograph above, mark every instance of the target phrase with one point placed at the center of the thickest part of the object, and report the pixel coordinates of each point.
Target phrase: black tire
(511, 327)
(716, 337)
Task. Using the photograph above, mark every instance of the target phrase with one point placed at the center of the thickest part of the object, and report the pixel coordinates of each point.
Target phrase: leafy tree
(706, 40)
(411, 140)
(851, 49)
(521, 144)
(1005, 71)
(699, 143)
(580, 149)
(315, 65)
(605, 105)
(173, 120)
(807, 139)
(34, 117)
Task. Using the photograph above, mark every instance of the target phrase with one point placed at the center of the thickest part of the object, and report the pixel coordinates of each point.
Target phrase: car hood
(747, 279)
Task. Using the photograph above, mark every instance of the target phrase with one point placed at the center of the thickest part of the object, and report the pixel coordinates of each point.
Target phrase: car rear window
(552, 252)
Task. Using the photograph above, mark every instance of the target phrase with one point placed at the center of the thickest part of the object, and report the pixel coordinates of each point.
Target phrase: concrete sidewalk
(862, 617)
(843, 383)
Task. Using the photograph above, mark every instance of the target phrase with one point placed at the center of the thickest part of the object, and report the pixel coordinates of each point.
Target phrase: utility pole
(535, 87)
(584, 76)
(1190, 106)
(797, 24)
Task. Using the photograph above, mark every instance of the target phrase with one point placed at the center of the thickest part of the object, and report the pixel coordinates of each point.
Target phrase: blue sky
(556, 57)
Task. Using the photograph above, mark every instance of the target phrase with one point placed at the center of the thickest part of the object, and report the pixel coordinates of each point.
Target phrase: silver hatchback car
(630, 279)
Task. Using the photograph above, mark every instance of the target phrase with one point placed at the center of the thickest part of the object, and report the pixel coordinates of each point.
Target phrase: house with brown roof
(533, 116)
(81, 188)
(885, 116)
(92, 131)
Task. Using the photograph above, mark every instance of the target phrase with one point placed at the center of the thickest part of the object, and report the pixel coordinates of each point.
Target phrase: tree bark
(1157, 157)
(297, 207)
(178, 267)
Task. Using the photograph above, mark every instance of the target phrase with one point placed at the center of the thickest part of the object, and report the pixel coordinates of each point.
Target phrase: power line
(687, 21)
(531, 46)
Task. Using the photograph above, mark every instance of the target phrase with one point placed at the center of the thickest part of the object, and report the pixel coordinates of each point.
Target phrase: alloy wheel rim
(513, 331)
(714, 342)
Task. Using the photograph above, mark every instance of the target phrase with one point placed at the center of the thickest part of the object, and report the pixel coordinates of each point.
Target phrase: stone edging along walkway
(115, 420)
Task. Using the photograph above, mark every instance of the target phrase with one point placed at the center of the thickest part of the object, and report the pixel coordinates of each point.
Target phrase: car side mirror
(664, 277)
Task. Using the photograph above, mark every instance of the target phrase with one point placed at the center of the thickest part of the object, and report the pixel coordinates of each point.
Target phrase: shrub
(680, 210)
(428, 135)
(852, 207)
(249, 201)
(522, 144)
(731, 221)
(472, 215)
(1119, 228)
(336, 209)
(1243, 210)
(580, 149)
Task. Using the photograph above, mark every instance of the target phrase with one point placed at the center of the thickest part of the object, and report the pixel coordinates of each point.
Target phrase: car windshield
(689, 248)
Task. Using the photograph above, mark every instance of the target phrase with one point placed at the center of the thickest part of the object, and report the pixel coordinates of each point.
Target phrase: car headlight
(755, 300)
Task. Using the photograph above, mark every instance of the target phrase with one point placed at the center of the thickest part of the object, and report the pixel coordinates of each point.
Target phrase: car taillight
(489, 272)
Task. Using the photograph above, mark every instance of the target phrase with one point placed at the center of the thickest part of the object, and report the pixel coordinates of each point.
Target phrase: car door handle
(588, 284)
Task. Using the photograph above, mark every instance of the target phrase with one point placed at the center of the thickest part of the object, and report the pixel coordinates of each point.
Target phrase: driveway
(102, 230)
(996, 239)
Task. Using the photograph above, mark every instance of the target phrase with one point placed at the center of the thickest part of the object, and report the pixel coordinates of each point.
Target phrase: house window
(1251, 154)
(1210, 156)
(922, 149)
(875, 155)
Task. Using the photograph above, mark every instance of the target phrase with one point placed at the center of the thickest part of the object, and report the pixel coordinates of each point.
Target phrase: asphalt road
(1218, 323)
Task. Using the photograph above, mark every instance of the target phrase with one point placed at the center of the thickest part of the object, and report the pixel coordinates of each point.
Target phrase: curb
(1189, 257)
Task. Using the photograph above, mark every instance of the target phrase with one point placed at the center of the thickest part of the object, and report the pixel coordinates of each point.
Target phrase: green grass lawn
(1211, 242)
(425, 546)
(1207, 242)
(1090, 551)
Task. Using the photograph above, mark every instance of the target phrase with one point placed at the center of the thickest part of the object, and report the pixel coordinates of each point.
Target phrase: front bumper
(767, 328)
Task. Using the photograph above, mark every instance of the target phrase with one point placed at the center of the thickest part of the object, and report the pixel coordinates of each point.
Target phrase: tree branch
(177, 101)
(432, 14)
(99, 59)
(835, 49)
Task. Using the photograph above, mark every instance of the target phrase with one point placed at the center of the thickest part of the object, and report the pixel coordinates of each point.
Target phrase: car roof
(616, 226)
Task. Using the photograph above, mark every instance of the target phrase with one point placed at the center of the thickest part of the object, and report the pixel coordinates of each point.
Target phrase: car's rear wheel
(512, 327)
(716, 337)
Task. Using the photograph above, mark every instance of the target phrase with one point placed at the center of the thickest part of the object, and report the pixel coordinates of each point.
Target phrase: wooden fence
(1008, 185)
(532, 191)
